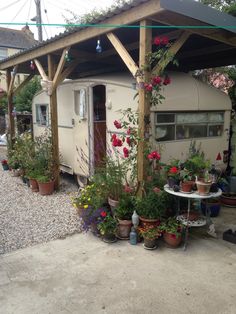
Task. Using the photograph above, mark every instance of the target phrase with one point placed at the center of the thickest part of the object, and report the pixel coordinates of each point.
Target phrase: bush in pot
(172, 231)
(150, 235)
(107, 227)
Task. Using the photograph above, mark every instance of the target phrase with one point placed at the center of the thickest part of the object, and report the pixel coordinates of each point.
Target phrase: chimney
(27, 31)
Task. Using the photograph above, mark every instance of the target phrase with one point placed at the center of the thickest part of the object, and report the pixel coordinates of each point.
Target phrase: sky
(22, 11)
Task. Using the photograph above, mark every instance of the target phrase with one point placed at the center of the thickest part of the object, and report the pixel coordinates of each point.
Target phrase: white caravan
(88, 107)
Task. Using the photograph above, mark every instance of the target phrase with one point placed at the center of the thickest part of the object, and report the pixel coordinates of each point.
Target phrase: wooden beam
(144, 102)
(11, 124)
(67, 71)
(12, 80)
(135, 14)
(41, 70)
(18, 88)
(123, 53)
(60, 67)
(161, 65)
(54, 122)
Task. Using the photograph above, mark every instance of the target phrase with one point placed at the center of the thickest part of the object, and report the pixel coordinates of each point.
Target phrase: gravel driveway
(27, 218)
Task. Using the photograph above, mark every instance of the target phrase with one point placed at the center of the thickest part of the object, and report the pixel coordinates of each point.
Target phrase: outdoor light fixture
(99, 47)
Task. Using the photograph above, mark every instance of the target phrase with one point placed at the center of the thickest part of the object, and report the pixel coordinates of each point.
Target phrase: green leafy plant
(126, 207)
(152, 205)
(108, 224)
(43, 178)
(172, 226)
(150, 233)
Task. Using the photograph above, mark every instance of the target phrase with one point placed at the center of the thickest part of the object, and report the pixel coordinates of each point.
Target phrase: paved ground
(81, 274)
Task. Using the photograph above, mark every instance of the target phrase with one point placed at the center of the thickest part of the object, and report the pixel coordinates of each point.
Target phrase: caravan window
(185, 125)
(42, 114)
(80, 103)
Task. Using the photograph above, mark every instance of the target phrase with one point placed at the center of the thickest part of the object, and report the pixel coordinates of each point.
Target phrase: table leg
(187, 226)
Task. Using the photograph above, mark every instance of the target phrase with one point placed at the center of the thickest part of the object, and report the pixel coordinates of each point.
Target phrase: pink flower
(166, 81)
(165, 40)
(157, 41)
(148, 87)
(156, 80)
(117, 124)
(126, 152)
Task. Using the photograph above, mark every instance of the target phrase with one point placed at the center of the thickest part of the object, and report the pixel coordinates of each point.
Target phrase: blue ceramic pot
(213, 207)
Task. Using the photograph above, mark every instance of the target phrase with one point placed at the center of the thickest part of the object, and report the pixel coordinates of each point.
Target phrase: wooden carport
(202, 37)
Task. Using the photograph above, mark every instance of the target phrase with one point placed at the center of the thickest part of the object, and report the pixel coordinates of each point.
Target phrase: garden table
(198, 222)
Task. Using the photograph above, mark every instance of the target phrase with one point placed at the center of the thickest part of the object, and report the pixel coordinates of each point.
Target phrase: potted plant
(150, 236)
(151, 208)
(172, 232)
(5, 166)
(173, 173)
(32, 175)
(45, 184)
(204, 184)
(186, 182)
(107, 227)
(123, 213)
(213, 205)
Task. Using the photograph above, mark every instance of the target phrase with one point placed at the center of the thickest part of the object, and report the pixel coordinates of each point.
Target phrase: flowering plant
(172, 226)
(154, 86)
(4, 162)
(92, 217)
(107, 224)
(150, 232)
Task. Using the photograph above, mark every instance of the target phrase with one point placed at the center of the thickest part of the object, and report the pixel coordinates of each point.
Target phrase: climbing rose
(103, 214)
(157, 41)
(117, 142)
(154, 155)
(126, 152)
(166, 81)
(148, 87)
(128, 141)
(117, 124)
(156, 80)
(129, 131)
(165, 40)
(113, 137)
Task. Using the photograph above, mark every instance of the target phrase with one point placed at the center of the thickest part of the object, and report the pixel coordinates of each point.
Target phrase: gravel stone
(28, 218)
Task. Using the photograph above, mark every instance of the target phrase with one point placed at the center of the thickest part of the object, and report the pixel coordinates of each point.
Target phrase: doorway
(99, 124)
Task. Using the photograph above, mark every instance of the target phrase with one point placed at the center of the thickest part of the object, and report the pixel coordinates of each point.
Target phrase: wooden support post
(54, 122)
(11, 124)
(145, 47)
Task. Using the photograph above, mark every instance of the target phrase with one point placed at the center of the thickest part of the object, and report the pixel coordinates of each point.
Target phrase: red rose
(117, 142)
(117, 124)
(165, 40)
(113, 137)
(126, 152)
(155, 155)
(128, 141)
(157, 41)
(128, 131)
(149, 156)
(103, 214)
(156, 80)
(148, 87)
(166, 81)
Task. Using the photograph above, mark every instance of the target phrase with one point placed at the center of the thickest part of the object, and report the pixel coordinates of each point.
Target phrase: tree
(23, 100)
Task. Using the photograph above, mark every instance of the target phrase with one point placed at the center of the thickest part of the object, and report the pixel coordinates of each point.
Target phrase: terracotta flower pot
(172, 240)
(186, 186)
(123, 229)
(150, 223)
(34, 185)
(203, 188)
(228, 199)
(46, 188)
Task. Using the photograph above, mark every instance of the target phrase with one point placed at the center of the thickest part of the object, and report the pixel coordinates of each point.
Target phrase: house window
(80, 103)
(3, 53)
(42, 114)
(178, 126)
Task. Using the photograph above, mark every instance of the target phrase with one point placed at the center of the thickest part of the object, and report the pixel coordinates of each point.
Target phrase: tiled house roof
(17, 39)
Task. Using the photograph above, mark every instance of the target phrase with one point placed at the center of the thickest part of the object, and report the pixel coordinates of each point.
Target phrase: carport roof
(212, 41)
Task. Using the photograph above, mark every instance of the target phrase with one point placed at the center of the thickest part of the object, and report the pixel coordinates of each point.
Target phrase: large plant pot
(149, 223)
(172, 181)
(150, 244)
(212, 205)
(172, 240)
(113, 204)
(228, 199)
(203, 188)
(46, 188)
(34, 185)
(123, 229)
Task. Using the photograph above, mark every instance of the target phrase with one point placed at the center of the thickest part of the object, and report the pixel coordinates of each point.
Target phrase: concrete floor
(81, 274)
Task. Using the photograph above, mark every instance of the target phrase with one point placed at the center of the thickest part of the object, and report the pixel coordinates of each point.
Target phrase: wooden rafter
(171, 52)
(123, 53)
(68, 71)
(12, 80)
(60, 66)
(41, 70)
(18, 88)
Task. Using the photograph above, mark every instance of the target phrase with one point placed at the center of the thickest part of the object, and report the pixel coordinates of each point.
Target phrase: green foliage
(3, 105)
(23, 100)
(172, 226)
(126, 207)
(152, 205)
(150, 233)
(43, 178)
(108, 225)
